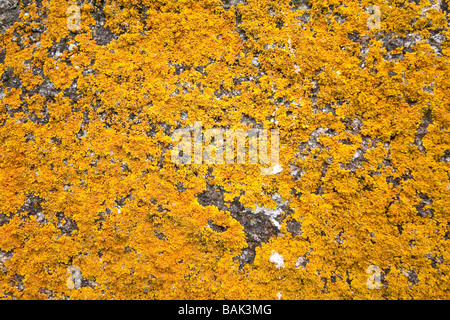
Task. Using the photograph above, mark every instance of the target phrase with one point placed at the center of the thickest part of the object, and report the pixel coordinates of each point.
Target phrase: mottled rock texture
(93, 207)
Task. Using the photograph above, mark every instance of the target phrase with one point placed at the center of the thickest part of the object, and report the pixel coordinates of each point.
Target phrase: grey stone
(9, 13)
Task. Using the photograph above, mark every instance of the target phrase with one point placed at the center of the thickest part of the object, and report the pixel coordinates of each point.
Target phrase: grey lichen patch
(294, 227)
(258, 228)
(9, 80)
(47, 292)
(17, 282)
(275, 215)
(31, 207)
(102, 34)
(180, 187)
(65, 224)
(444, 6)
(75, 279)
(227, 4)
(425, 201)
(160, 235)
(9, 13)
(446, 156)
(302, 261)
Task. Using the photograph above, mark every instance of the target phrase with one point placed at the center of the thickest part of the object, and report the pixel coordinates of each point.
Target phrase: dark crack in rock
(10, 80)
(422, 131)
(216, 227)
(17, 282)
(160, 235)
(2, 56)
(212, 197)
(72, 92)
(258, 227)
(426, 201)
(226, 93)
(227, 4)
(435, 260)
(47, 292)
(301, 4)
(65, 224)
(397, 181)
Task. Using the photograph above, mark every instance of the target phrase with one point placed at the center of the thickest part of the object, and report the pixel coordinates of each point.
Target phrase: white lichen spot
(277, 259)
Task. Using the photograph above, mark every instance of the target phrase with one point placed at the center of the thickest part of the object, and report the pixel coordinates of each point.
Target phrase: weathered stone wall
(92, 205)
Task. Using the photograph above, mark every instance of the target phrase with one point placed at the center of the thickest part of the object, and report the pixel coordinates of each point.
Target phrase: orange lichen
(86, 177)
